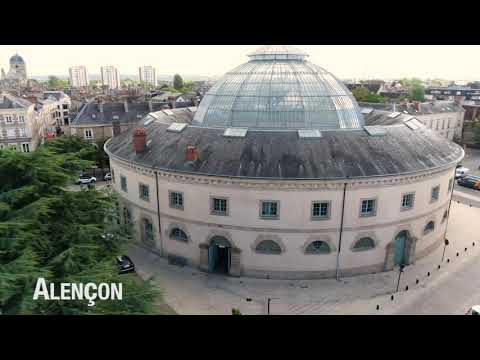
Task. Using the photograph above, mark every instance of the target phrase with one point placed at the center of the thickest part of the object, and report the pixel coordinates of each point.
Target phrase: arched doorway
(219, 255)
(400, 248)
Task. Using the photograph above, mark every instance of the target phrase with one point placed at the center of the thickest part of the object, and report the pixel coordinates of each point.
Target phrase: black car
(125, 265)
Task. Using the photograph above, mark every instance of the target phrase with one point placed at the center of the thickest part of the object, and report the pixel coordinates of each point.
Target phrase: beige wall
(447, 125)
(295, 229)
(31, 123)
(100, 132)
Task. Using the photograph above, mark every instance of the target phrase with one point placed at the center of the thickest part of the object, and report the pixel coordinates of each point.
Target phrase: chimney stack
(192, 153)
(150, 107)
(139, 140)
(125, 105)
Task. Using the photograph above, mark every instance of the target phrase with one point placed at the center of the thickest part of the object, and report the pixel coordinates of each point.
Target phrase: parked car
(125, 265)
(474, 310)
(461, 171)
(469, 181)
(86, 179)
(107, 177)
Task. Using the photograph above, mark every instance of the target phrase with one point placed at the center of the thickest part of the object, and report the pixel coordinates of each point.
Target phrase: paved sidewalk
(190, 291)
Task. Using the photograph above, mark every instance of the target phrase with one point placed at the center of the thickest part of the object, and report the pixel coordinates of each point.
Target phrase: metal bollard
(406, 288)
(391, 297)
(457, 253)
(465, 249)
(416, 282)
(378, 307)
(428, 274)
(448, 260)
(473, 244)
(438, 267)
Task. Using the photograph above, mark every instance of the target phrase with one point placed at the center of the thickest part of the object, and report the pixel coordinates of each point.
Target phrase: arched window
(318, 247)
(179, 235)
(364, 243)
(268, 247)
(429, 227)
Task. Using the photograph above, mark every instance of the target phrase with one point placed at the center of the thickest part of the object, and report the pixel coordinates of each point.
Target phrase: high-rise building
(147, 74)
(110, 77)
(78, 76)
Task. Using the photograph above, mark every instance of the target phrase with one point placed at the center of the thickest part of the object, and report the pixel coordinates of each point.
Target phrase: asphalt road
(98, 185)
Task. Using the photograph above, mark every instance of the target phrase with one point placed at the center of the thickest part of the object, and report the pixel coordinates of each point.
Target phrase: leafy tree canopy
(63, 236)
(362, 94)
(177, 82)
(416, 90)
(54, 82)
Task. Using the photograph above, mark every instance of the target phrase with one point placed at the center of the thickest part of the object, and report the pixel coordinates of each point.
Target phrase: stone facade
(294, 230)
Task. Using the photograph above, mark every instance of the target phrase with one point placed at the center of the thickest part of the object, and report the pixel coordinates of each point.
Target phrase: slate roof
(136, 111)
(338, 154)
(8, 101)
(426, 108)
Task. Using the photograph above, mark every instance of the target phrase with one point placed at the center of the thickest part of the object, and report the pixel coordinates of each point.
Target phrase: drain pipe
(448, 211)
(158, 213)
(341, 232)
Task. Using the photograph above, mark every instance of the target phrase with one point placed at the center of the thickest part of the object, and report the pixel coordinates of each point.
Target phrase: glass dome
(279, 89)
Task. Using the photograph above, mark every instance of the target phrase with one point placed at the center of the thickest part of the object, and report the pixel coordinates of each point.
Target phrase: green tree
(177, 82)
(63, 236)
(362, 94)
(416, 90)
(56, 83)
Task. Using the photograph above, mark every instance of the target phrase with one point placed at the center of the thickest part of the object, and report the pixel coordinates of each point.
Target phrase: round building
(280, 174)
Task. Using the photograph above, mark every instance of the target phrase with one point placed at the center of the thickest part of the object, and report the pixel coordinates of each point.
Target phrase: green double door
(401, 248)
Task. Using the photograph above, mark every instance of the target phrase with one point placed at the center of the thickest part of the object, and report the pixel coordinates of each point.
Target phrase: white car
(474, 310)
(107, 177)
(461, 171)
(86, 179)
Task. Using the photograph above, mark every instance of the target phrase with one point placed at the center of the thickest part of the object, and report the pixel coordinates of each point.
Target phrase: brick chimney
(139, 140)
(125, 105)
(191, 154)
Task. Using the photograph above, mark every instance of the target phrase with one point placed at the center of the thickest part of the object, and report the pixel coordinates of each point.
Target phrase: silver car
(86, 179)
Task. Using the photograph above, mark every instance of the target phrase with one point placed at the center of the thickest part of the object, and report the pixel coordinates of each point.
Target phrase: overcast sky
(344, 61)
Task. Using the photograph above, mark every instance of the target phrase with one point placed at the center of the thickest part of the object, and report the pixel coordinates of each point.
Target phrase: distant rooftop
(8, 101)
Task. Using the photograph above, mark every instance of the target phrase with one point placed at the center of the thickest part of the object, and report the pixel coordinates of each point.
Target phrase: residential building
(444, 117)
(78, 76)
(64, 106)
(148, 75)
(98, 121)
(21, 127)
(110, 77)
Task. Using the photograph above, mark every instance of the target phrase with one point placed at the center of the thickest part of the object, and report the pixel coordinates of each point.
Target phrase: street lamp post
(400, 270)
